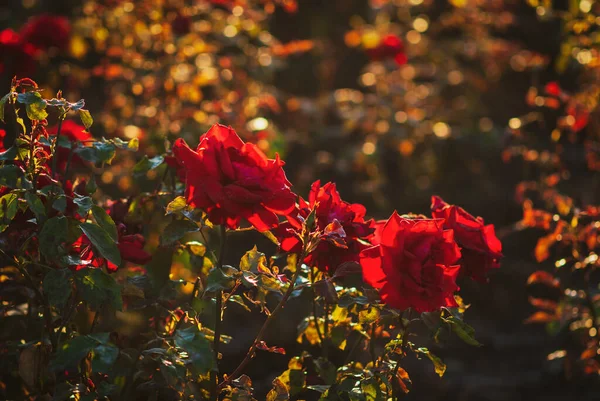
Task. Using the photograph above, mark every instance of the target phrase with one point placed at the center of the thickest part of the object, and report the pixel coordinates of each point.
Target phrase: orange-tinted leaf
(589, 353)
(264, 347)
(543, 304)
(543, 277)
(541, 317)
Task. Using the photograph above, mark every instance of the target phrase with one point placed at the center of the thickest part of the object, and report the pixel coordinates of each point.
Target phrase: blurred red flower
(2, 139)
(17, 56)
(343, 226)
(46, 31)
(231, 180)
(75, 133)
(131, 248)
(481, 249)
(391, 46)
(414, 265)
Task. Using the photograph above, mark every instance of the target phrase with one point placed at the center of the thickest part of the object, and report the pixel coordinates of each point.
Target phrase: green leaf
(84, 204)
(98, 288)
(146, 164)
(104, 357)
(102, 241)
(177, 229)
(37, 110)
(348, 300)
(29, 97)
(10, 175)
(2, 103)
(72, 352)
(252, 260)
(86, 118)
(159, 267)
(369, 315)
(35, 106)
(91, 186)
(462, 330)
(106, 222)
(57, 286)
(220, 280)
(438, 364)
(36, 206)
(133, 145)
(9, 206)
(279, 392)
(311, 219)
(76, 106)
(326, 289)
(198, 348)
(176, 205)
(53, 234)
(60, 203)
(268, 283)
(99, 152)
(9, 154)
(271, 237)
(371, 390)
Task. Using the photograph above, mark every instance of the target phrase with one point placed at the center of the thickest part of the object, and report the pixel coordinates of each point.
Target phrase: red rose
(46, 31)
(231, 180)
(391, 46)
(17, 57)
(414, 266)
(481, 249)
(343, 226)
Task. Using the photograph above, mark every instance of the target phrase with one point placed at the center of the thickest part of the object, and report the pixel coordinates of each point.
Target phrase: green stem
(250, 354)
(314, 309)
(214, 374)
(326, 330)
(42, 300)
(396, 392)
(372, 344)
(53, 150)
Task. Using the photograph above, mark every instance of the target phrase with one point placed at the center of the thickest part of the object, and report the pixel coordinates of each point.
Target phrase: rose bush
(86, 257)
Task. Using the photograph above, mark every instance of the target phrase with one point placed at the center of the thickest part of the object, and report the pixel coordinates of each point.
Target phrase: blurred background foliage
(394, 100)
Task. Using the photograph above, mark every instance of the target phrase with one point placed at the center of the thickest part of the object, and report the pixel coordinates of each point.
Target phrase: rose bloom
(343, 225)
(414, 266)
(231, 180)
(46, 31)
(481, 249)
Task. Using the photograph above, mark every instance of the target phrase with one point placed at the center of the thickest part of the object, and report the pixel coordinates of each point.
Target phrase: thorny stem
(314, 308)
(326, 330)
(69, 158)
(395, 380)
(372, 343)
(214, 378)
(43, 302)
(54, 158)
(95, 321)
(265, 326)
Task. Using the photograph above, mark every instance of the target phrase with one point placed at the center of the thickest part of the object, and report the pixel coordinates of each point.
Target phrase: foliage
(558, 140)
